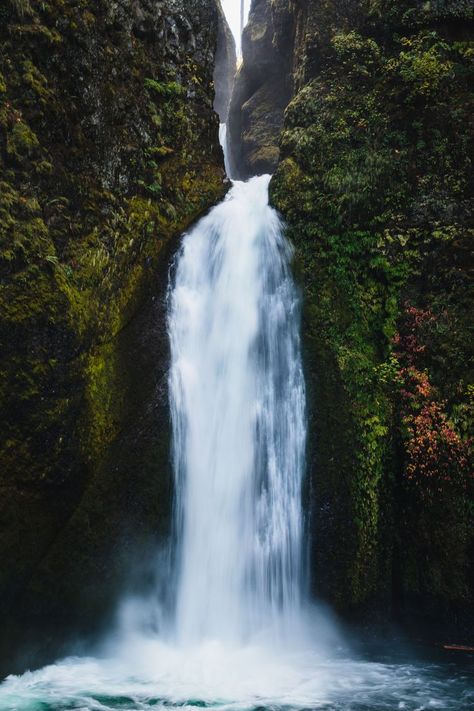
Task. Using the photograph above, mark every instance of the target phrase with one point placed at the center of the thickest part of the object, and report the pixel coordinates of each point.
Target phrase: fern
(22, 7)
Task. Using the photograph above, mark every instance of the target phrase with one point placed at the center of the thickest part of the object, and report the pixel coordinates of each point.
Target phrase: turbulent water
(241, 634)
(151, 675)
(237, 395)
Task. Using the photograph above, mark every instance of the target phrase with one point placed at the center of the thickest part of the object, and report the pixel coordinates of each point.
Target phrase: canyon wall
(108, 150)
(373, 157)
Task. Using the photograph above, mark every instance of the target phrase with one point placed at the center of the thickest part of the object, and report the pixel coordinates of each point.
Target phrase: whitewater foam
(238, 412)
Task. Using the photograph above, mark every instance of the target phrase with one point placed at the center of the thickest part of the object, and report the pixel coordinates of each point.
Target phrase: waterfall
(238, 412)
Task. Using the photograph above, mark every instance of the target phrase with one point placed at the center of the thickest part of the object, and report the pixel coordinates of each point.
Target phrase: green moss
(88, 209)
(168, 89)
(374, 177)
(22, 141)
(105, 400)
(37, 82)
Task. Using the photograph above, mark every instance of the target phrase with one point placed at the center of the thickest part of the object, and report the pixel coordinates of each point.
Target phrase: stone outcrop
(108, 150)
(262, 90)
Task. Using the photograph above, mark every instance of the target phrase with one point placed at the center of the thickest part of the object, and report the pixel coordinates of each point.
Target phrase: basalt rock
(263, 87)
(108, 150)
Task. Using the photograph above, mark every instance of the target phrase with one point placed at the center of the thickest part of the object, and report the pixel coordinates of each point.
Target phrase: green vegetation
(104, 160)
(375, 183)
(21, 7)
(171, 88)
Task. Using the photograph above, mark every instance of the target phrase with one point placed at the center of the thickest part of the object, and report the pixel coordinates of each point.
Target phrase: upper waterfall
(238, 412)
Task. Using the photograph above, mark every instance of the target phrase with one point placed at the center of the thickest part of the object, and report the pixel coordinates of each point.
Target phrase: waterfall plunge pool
(152, 675)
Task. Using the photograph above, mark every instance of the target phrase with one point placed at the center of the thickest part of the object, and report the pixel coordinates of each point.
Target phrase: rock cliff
(262, 90)
(375, 181)
(108, 150)
(225, 68)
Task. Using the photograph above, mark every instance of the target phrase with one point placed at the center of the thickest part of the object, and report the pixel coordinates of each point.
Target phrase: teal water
(252, 678)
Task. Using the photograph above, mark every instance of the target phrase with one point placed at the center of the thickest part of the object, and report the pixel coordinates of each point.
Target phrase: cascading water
(238, 410)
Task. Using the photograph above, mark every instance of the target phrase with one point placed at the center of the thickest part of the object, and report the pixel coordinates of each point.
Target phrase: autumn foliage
(436, 455)
(437, 480)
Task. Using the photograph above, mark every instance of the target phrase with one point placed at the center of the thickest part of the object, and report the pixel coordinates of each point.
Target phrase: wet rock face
(288, 42)
(108, 150)
(374, 179)
(262, 88)
(225, 68)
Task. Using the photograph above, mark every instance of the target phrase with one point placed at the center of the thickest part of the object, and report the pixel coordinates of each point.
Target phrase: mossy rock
(375, 185)
(108, 151)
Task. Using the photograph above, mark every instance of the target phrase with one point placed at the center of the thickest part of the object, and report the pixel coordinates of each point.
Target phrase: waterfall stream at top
(238, 411)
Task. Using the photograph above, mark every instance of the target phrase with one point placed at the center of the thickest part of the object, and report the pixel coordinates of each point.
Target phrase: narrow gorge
(236, 298)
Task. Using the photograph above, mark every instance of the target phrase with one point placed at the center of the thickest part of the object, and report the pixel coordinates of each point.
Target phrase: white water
(238, 410)
(154, 676)
(224, 141)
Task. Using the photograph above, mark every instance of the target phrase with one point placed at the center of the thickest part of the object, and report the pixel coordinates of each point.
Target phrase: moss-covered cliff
(375, 181)
(108, 149)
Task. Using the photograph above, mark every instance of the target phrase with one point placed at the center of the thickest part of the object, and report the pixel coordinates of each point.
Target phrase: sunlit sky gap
(232, 11)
